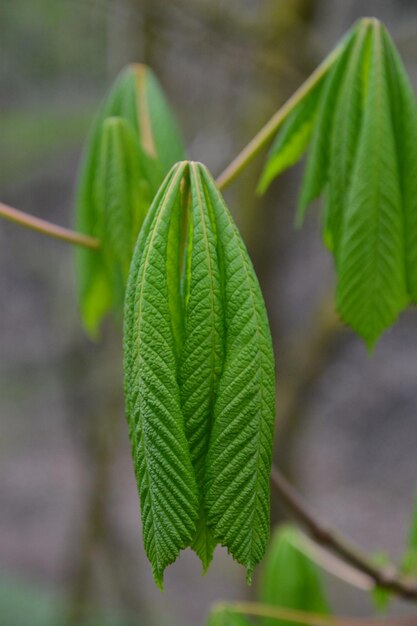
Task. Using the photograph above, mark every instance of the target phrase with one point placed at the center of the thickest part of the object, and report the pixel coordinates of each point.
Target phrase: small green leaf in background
(226, 617)
(381, 597)
(123, 202)
(199, 378)
(409, 563)
(135, 156)
(290, 579)
(292, 139)
(362, 157)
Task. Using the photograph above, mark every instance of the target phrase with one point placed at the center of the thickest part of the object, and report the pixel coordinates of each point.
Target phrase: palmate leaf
(239, 456)
(290, 579)
(362, 158)
(162, 461)
(198, 369)
(371, 287)
(137, 98)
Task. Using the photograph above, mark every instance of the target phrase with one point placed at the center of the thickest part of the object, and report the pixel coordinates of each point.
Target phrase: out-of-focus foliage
(289, 578)
(22, 604)
(409, 564)
(124, 164)
(226, 617)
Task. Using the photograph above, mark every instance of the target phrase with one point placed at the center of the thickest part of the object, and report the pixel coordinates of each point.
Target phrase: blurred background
(70, 543)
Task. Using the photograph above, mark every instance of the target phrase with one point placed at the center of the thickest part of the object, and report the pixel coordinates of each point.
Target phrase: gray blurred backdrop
(70, 544)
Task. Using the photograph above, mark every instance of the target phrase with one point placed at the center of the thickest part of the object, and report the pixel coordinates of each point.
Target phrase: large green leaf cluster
(359, 124)
(132, 145)
(199, 378)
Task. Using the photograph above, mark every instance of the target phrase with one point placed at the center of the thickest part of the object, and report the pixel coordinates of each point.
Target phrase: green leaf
(226, 617)
(409, 560)
(294, 135)
(316, 172)
(239, 456)
(412, 538)
(290, 579)
(203, 351)
(122, 203)
(162, 461)
(199, 378)
(371, 287)
(137, 98)
(381, 598)
(404, 119)
(345, 136)
(292, 139)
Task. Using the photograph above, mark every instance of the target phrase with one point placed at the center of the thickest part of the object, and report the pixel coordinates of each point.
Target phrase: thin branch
(268, 131)
(310, 619)
(386, 578)
(333, 564)
(46, 228)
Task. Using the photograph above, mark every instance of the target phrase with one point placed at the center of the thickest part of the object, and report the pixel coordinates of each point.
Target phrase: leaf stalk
(385, 578)
(309, 619)
(47, 228)
(267, 132)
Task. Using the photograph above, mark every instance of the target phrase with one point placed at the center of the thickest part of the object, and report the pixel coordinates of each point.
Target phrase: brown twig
(386, 578)
(47, 228)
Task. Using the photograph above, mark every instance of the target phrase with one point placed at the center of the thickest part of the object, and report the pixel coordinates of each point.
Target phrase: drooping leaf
(344, 138)
(316, 171)
(294, 135)
(202, 356)
(198, 370)
(163, 467)
(137, 98)
(121, 201)
(362, 159)
(292, 140)
(404, 120)
(239, 456)
(371, 289)
(290, 579)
